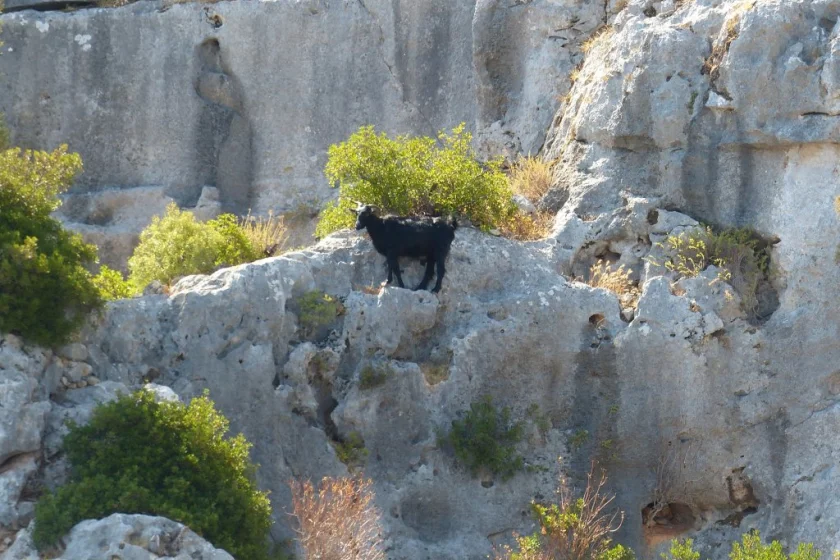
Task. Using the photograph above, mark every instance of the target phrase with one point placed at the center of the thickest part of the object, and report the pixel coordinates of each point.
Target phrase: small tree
(140, 456)
(45, 289)
(415, 175)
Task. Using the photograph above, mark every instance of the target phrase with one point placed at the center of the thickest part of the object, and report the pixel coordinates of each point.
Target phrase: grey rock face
(124, 537)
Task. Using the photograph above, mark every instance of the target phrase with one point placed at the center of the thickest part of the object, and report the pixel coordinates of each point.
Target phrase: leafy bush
(373, 376)
(179, 245)
(740, 255)
(140, 456)
(750, 548)
(339, 521)
(112, 285)
(485, 439)
(45, 290)
(574, 528)
(413, 175)
(681, 550)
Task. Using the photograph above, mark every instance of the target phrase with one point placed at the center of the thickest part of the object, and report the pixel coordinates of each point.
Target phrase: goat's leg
(441, 270)
(427, 276)
(390, 271)
(394, 265)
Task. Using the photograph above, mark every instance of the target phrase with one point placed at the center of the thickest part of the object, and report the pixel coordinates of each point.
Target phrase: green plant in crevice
(681, 550)
(351, 450)
(317, 309)
(485, 439)
(373, 376)
(741, 256)
(112, 285)
(578, 439)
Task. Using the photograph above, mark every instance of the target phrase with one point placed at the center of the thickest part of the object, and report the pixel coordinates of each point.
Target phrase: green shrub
(681, 550)
(4, 130)
(351, 450)
(45, 290)
(415, 175)
(574, 528)
(315, 310)
(751, 548)
(373, 376)
(740, 255)
(178, 245)
(170, 459)
(112, 285)
(485, 439)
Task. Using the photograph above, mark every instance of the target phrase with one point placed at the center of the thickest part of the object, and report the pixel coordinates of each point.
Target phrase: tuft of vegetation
(339, 521)
(485, 439)
(531, 177)
(578, 439)
(177, 245)
(374, 376)
(4, 129)
(525, 227)
(574, 528)
(740, 254)
(837, 205)
(751, 548)
(267, 234)
(616, 280)
(112, 285)
(540, 419)
(45, 288)
(317, 309)
(351, 451)
(681, 550)
(728, 33)
(415, 176)
(140, 456)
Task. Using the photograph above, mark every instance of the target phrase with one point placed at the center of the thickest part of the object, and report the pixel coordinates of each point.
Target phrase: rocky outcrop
(124, 536)
(709, 419)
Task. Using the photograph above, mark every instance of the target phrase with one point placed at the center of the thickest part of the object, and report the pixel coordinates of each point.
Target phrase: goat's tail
(453, 223)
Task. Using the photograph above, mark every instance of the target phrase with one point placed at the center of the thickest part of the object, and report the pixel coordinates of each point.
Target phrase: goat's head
(364, 214)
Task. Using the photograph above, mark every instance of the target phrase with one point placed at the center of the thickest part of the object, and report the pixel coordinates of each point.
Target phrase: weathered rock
(13, 477)
(125, 537)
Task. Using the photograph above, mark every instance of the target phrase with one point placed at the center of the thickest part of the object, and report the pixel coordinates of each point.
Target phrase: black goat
(396, 237)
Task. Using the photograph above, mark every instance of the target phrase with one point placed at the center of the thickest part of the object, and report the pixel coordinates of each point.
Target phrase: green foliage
(317, 309)
(578, 439)
(140, 456)
(178, 245)
(371, 377)
(415, 175)
(485, 439)
(740, 255)
(751, 548)
(351, 451)
(4, 130)
(541, 420)
(45, 290)
(681, 550)
(235, 247)
(112, 285)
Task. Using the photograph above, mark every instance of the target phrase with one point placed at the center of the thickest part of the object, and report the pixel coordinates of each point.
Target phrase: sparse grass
(339, 520)
(600, 36)
(837, 205)
(524, 227)
(578, 439)
(729, 33)
(317, 310)
(541, 420)
(351, 451)
(266, 233)
(434, 373)
(574, 528)
(617, 280)
(374, 376)
(531, 177)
